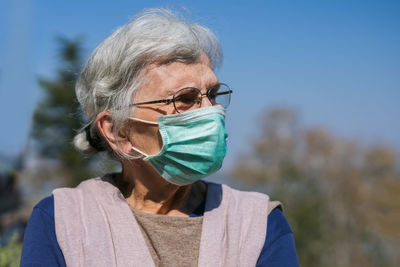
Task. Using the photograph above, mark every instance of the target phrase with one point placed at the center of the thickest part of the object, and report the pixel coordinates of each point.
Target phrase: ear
(106, 127)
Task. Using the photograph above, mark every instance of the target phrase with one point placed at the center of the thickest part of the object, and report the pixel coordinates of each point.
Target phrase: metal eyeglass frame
(229, 91)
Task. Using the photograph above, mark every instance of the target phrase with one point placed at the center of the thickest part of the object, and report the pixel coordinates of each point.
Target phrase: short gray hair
(114, 71)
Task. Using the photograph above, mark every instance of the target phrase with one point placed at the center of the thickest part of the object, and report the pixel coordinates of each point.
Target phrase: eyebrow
(208, 87)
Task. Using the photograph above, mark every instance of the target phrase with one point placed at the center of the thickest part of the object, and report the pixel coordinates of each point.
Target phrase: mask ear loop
(139, 151)
(144, 121)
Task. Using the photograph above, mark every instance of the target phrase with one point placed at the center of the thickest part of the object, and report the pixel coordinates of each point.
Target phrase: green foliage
(57, 119)
(10, 254)
(302, 206)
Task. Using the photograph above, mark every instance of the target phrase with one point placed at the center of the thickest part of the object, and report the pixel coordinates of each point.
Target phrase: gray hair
(115, 70)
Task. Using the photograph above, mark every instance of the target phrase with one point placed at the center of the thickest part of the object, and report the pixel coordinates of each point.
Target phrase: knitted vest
(96, 227)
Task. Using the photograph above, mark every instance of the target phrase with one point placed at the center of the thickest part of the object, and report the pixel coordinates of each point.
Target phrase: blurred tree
(9, 194)
(342, 201)
(57, 119)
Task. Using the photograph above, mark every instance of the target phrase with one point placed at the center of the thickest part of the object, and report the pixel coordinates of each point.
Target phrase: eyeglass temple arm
(225, 93)
(170, 100)
(219, 93)
(151, 102)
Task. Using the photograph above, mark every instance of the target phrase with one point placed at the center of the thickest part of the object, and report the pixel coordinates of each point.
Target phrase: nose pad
(205, 102)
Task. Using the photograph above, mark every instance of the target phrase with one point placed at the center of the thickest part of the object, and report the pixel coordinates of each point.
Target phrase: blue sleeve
(40, 247)
(279, 248)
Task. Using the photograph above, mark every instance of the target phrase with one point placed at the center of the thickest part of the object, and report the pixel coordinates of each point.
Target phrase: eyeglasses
(190, 98)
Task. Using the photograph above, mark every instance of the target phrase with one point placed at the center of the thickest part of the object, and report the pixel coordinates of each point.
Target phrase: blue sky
(337, 62)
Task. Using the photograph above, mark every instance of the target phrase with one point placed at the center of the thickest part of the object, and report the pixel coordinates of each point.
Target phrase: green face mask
(194, 145)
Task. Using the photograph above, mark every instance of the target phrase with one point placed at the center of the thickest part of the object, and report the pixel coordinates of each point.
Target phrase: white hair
(115, 70)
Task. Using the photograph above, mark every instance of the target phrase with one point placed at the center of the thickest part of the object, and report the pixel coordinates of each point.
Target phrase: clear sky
(337, 62)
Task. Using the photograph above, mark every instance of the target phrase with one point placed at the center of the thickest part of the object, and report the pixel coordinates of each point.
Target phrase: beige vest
(96, 227)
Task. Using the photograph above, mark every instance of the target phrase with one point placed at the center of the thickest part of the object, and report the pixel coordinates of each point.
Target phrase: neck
(144, 189)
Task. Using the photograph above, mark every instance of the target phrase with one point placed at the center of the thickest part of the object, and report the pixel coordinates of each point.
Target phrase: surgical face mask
(194, 145)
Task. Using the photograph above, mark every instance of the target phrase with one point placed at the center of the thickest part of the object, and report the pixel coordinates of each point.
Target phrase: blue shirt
(41, 248)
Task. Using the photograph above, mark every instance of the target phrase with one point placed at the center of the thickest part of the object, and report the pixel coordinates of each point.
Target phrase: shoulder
(81, 186)
(256, 201)
(278, 225)
(279, 247)
(88, 190)
(90, 185)
(244, 194)
(40, 246)
(45, 206)
(43, 213)
(224, 190)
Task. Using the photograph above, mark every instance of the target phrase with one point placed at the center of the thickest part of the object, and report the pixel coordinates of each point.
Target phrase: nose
(205, 102)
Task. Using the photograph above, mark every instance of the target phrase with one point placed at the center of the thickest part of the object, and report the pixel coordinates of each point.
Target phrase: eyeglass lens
(191, 98)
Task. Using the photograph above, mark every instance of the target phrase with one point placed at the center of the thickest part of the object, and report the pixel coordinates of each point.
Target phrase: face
(162, 82)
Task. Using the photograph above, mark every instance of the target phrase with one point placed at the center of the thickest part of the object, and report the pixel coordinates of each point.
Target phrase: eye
(187, 96)
(213, 92)
(186, 99)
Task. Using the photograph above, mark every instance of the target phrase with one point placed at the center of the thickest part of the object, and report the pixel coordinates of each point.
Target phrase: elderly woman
(153, 101)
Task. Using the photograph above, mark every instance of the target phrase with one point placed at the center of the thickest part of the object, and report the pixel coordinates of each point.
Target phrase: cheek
(172, 111)
(146, 138)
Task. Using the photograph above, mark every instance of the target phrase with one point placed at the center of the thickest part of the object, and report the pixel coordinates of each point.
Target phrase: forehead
(165, 80)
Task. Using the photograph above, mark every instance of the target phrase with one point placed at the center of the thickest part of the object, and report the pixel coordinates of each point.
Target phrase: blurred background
(313, 120)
